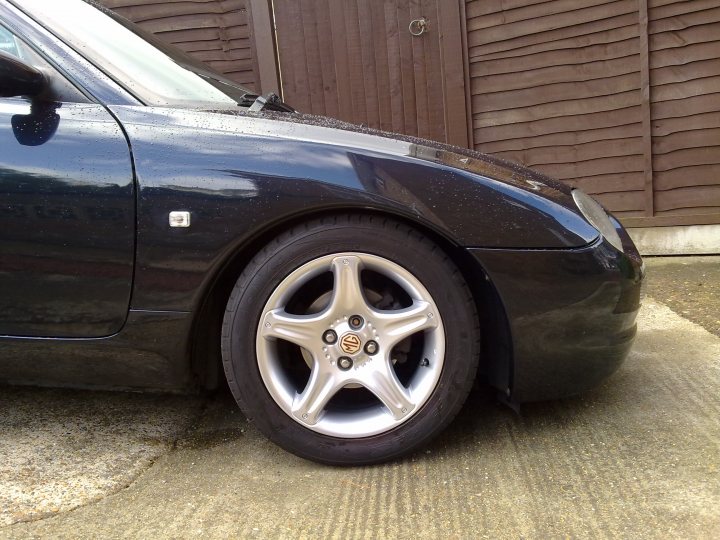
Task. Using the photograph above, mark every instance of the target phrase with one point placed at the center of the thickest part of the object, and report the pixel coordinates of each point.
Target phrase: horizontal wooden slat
(564, 138)
(685, 124)
(601, 31)
(688, 36)
(624, 164)
(574, 154)
(529, 12)
(560, 46)
(700, 175)
(562, 57)
(183, 22)
(628, 215)
(673, 9)
(553, 74)
(695, 197)
(681, 22)
(226, 45)
(684, 55)
(697, 138)
(476, 8)
(683, 90)
(219, 55)
(686, 108)
(609, 183)
(659, 3)
(558, 92)
(559, 109)
(179, 37)
(231, 66)
(696, 211)
(687, 72)
(546, 23)
(115, 4)
(563, 124)
(689, 157)
(145, 11)
(622, 201)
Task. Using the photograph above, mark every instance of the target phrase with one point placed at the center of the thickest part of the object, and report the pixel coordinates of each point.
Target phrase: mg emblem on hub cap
(350, 343)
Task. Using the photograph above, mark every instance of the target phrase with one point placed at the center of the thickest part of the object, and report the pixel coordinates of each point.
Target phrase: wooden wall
(618, 97)
(685, 77)
(215, 31)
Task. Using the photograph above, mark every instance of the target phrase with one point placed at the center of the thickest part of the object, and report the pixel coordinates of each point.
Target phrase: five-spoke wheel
(351, 340)
(351, 343)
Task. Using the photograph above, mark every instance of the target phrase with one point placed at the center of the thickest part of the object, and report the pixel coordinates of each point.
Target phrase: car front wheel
(351, 340)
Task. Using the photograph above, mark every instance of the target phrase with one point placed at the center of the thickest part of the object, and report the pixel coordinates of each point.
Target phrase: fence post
(262, 29)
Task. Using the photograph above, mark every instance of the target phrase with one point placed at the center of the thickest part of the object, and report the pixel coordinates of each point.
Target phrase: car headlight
(597, 217)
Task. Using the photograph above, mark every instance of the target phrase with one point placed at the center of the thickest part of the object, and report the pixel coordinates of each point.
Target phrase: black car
(163, 228)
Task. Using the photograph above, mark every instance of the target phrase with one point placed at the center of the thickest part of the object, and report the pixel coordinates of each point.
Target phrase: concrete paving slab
(637, 457)
(62, 449)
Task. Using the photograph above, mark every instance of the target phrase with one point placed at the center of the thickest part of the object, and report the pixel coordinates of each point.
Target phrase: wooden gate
(359, 61)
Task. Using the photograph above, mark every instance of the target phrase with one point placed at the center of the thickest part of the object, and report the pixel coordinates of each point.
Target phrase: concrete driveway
(637, 457)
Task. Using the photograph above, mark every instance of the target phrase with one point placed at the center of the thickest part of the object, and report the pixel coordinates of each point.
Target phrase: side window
(60, 89)
(8, 43)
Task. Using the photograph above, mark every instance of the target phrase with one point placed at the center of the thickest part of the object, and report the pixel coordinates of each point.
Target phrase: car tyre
(351, 340)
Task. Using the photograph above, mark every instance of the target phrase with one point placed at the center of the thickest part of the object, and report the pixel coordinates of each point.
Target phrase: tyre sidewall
(406, 248)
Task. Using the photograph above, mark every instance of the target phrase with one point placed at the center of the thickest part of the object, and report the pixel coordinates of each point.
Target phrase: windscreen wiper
(271, 102)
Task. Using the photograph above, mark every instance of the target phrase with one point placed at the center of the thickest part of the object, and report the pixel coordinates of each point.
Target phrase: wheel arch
(496, 351)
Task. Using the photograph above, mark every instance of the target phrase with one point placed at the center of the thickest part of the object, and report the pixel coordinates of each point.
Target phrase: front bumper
(571, 315)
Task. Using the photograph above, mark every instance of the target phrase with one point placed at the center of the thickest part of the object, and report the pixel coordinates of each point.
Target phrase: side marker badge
(178, 218)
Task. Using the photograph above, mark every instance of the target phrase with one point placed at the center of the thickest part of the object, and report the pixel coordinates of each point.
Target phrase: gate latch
(418, 26)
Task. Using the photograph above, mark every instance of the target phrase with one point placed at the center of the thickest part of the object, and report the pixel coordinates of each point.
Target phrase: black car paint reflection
(67, 221)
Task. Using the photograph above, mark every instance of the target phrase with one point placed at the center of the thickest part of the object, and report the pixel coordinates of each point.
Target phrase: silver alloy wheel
(349, 361)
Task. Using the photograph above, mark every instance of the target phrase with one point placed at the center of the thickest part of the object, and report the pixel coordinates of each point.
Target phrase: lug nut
(355, 322)
(371, 347)
(345, 363)
(329, 337)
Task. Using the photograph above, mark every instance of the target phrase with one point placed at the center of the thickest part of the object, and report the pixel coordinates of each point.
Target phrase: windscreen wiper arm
(271, 102)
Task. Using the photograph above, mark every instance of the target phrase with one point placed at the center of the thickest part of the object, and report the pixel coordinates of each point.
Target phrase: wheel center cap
(350, 343)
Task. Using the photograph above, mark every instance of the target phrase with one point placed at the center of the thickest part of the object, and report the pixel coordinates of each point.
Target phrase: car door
(67, 211)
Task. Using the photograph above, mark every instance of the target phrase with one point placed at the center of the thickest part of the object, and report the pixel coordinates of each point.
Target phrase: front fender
(239, 174)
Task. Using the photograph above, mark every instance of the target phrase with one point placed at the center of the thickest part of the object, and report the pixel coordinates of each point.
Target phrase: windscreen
(154, 72)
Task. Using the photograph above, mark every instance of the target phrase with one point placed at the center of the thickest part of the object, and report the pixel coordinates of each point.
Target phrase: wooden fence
(619, 97)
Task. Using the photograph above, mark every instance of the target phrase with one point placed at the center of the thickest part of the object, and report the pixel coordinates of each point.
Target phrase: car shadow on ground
(481, 421)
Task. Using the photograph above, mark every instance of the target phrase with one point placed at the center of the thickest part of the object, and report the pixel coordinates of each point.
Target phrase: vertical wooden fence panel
(684, 40)
(619, 97)
(556, 86)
